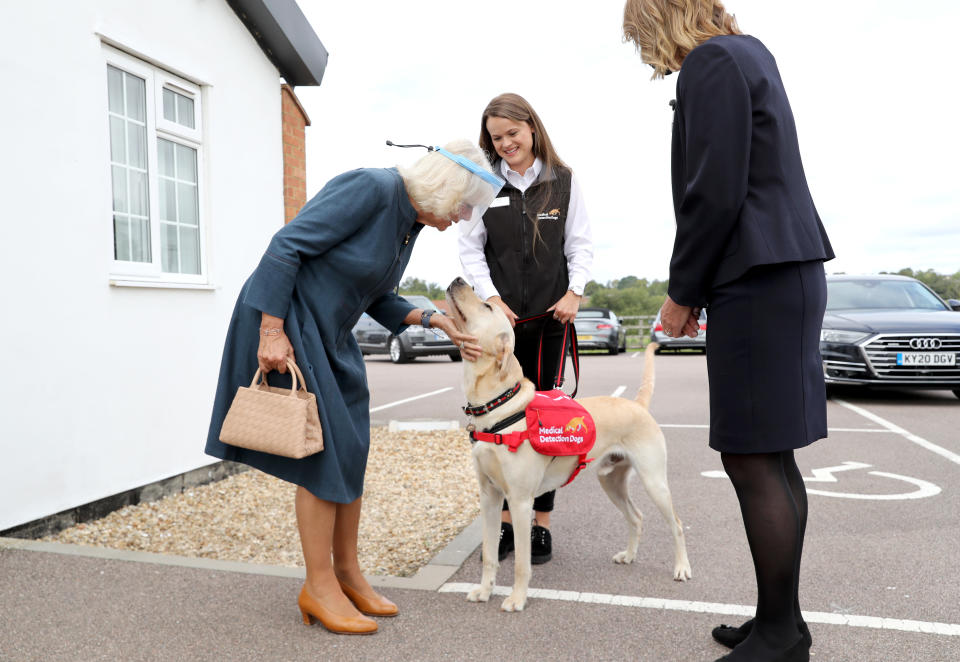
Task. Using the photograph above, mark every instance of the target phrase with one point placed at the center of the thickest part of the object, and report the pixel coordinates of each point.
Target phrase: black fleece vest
(530, 275)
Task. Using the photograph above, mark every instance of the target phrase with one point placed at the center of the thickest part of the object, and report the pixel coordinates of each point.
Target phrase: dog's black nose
(458, 281)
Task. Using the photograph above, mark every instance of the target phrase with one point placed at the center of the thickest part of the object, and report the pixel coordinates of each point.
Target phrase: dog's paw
(513, 602)
(478, 595)
(682, 573)
(624, 557)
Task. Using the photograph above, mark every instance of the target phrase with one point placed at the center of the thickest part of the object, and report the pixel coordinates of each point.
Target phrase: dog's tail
(645, 393)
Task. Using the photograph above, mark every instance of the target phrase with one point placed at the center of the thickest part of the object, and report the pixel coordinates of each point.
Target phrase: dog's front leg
(491, 503)
(521, 511)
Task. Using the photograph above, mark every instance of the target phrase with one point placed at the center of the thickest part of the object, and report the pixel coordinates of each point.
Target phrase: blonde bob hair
(665, 31)
(438, 185)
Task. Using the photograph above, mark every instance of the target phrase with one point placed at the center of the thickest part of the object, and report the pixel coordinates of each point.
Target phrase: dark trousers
(528, 352)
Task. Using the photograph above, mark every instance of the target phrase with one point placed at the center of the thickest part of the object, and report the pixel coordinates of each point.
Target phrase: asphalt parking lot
(879, 580)
(882, 540)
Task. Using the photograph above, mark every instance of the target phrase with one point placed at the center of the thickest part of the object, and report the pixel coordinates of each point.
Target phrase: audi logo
(925, 343)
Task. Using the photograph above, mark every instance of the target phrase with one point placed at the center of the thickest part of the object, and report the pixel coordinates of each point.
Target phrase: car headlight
(841, 336)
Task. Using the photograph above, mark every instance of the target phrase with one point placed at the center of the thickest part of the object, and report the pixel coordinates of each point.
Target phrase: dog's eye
(489, 307)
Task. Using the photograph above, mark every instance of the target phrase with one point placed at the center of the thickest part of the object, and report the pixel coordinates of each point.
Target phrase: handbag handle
(294, 374)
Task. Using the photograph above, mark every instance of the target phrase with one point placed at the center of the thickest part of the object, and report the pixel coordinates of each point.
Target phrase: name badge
(500, 202)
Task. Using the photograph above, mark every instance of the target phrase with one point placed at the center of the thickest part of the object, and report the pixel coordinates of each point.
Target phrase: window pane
(189, 250)
(169, 106)
(121, 237)
(137, 140)
(118, 141)
(140, 229)
(119, 175)
(184, 110)
(115, 89)
(186, 164)
(168, 200)
(136, 97)
(187, 203)
(165, 157)
(138, 193)
(168, 248)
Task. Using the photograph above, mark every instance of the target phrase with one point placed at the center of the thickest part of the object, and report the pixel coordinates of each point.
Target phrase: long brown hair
(514, 107)
(665, 31)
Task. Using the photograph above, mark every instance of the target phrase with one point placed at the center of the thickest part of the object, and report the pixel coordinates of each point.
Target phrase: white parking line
(851, 620)
(909, 436)
(620, 389)
(707, 427)
(416, 397)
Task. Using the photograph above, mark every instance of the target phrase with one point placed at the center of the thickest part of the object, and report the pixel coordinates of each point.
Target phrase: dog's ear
(504, 352)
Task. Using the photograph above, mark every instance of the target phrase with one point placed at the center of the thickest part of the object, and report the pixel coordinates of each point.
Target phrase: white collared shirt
(577, 238)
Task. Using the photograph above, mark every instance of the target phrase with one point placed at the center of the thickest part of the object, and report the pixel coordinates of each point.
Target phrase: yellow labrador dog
(628, 440)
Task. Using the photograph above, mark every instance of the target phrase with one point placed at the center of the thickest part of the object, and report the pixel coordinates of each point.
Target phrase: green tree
(947, 286)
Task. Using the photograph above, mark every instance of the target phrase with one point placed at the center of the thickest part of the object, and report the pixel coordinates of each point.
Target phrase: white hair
(438, 184)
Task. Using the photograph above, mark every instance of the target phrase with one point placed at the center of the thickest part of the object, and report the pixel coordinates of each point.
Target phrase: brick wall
(295, 121)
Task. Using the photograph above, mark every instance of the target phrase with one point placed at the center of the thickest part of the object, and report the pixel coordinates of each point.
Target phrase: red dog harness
(556, 425)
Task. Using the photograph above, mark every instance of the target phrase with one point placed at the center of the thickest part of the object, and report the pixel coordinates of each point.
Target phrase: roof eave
(286, 38)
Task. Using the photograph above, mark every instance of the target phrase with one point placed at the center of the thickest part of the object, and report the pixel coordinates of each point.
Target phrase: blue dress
(343, 254)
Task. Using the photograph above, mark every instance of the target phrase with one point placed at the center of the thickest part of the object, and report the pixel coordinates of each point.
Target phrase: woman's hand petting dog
(512, 316)
(469, 348)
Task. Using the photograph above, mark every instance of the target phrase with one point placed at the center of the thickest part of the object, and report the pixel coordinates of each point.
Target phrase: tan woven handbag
(274, 420)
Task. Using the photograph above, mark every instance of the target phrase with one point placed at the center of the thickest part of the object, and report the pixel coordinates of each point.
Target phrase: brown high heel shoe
(311, 609)
(379, 606)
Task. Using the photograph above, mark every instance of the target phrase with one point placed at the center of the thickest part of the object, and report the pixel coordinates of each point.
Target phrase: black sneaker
(506, 540)
(541, 546)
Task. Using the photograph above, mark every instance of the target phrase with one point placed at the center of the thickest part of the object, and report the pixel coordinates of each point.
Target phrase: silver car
(683, 342)
(599, 328)
(415, 341)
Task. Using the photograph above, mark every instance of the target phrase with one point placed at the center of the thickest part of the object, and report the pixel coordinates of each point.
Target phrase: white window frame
(151, 273)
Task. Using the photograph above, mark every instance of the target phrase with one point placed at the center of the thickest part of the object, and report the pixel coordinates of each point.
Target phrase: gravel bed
(420, 492)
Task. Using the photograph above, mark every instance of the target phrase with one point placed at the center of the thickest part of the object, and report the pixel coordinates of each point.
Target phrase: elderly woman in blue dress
(342, 255)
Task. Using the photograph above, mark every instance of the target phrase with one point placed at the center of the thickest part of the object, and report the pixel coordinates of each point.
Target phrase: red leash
(569, 332)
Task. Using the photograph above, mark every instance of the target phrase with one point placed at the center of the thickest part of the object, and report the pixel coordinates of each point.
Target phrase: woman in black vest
(749, 245)
(531, 253)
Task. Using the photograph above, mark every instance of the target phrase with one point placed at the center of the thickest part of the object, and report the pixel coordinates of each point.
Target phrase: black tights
(773, 502)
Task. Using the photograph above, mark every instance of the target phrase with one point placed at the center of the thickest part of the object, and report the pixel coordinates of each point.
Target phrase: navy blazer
(739, 191)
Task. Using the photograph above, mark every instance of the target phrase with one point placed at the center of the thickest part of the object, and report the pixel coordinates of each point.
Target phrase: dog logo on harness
(576, 425)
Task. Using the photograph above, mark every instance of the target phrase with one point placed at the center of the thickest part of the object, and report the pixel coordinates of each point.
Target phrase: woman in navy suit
(750, 246)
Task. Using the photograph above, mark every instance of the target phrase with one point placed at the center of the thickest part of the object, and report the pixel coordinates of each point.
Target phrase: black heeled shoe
(731, 636)
(799, 652)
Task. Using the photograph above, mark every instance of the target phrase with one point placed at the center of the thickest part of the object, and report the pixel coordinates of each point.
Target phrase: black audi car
(890, 331)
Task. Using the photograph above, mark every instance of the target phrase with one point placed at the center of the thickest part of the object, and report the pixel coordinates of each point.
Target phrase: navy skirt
(767, 392)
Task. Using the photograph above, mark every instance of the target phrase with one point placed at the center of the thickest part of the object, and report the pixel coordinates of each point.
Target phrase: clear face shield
(481, 191)
(482, 188)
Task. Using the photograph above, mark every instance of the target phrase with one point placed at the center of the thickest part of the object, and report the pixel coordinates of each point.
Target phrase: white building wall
(109, 388)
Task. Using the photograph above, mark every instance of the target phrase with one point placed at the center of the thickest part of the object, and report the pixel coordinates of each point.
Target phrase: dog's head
(498, 368)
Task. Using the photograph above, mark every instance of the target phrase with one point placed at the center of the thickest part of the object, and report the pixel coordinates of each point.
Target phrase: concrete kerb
(428, 578)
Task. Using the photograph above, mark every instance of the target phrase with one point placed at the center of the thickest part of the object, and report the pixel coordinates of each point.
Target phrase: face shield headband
(481, 189)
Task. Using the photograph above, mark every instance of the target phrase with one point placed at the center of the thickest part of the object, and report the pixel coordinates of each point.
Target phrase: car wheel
(956, 392)
(456, 357)
(613, 350)
(658, 351)
(397, 353)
